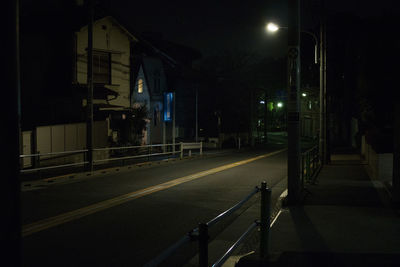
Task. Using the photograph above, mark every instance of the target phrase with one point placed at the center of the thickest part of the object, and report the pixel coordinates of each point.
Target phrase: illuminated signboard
(168, 108)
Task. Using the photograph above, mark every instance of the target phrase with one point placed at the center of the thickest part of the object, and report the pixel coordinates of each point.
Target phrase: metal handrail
(309, 150)
(54, 167)
(53, 153)
(309, 162)
(233, 209)
(201, 233)
(142, 155)
(229, 252)
(129, 147)
(131, 157)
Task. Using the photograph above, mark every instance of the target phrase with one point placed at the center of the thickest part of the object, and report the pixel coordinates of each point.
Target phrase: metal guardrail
(113, 154)
(48, 156)
(190, 146)
(200, 234)
(310, 164)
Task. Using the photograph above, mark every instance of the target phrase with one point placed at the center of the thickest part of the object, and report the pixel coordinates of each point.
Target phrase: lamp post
(89, 123)
(272, 27)
(293, 107)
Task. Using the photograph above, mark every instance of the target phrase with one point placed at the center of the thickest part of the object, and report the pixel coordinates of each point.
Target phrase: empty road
(128, 216)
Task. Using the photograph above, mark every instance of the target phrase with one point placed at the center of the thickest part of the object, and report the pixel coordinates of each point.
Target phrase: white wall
(379, 166)
(108, 36)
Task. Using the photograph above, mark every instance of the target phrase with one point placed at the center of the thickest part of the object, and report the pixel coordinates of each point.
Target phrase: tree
(133, 125)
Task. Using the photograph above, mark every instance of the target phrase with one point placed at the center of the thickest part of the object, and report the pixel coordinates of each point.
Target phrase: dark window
(101, 67)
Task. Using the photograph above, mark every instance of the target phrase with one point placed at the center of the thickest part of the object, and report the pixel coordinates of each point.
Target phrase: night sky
(211, 26)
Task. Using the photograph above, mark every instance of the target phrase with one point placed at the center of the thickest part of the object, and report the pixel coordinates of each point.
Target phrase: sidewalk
(345, 220)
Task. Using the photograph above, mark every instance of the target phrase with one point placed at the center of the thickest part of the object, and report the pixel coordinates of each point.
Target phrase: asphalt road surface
(127, 217)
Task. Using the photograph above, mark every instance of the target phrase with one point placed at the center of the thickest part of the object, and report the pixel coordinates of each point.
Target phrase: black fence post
(265, 219)
(203, 245)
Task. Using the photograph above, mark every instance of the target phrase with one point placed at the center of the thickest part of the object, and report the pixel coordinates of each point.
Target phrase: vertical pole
(173, 123)
(197, 115)
(302, 170)
(396, 155)
(321, 90)
(164, 125)
(265, 118)
(201, 148)
(293, 102)
(308, 167)
(203, 245)
(11, 111)
(265, 218)
(181, 146)
(252, 115)
(89, 124)
(326, 117)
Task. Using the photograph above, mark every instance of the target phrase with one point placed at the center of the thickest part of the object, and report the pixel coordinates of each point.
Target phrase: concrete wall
(379, 166)
(60, 138)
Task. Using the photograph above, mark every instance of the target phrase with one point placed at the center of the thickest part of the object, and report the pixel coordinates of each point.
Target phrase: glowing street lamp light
(272, 27)
(304, 94)
(279, 104)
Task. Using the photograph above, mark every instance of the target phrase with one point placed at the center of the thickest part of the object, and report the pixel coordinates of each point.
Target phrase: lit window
(140, 86)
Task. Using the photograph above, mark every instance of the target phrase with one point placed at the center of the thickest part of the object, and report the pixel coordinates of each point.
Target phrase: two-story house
(149, 89)
(112, 73)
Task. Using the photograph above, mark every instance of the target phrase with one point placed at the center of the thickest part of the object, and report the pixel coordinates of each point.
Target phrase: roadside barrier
(46, 161)
(200, 234)
(190, 146)
(310, 164)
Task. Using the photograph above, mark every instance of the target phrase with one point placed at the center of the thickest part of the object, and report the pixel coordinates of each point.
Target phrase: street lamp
(272, 27)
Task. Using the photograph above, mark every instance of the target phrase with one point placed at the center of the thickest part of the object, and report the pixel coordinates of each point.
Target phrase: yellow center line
(32, 228)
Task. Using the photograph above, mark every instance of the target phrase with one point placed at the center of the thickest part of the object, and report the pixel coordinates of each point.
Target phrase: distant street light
(304, 94)
(279, 104)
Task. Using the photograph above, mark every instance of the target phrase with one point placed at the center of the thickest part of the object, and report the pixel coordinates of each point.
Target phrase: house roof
(115, 22)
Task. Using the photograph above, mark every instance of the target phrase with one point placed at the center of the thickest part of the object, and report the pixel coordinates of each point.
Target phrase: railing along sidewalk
(112, 154)
(200, 234)
(310, 164)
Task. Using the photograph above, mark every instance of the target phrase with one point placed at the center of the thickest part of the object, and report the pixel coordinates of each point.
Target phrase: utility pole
(89, 123)
(322, 146)
(265, 117)
(396, 155)
(197, 116)
(293, 102)
(11, 110)
(173, 122)
(327, 151)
